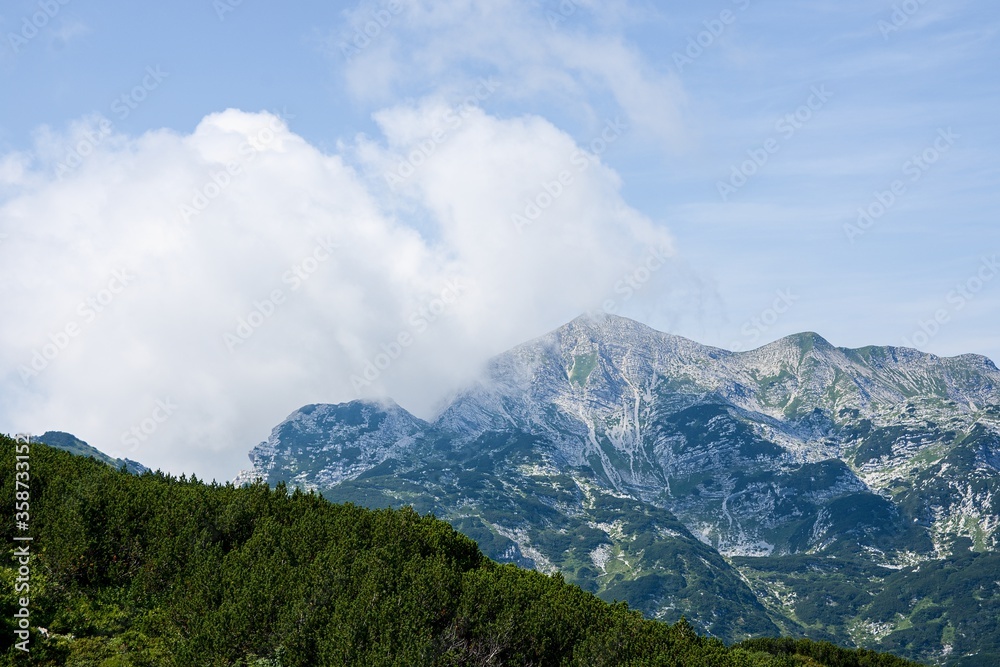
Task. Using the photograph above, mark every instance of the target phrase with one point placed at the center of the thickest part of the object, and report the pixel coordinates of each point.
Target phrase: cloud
(573, 55)
(171, 297)
(67, 31)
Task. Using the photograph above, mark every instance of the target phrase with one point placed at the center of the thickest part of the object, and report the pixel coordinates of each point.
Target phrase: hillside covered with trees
(156, 570)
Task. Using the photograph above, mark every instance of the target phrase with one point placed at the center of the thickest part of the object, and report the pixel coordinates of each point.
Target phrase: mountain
(74, 445)
(155, 570)
(691, 480)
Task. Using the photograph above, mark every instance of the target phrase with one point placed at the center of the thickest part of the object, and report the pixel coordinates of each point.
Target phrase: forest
(152, 569)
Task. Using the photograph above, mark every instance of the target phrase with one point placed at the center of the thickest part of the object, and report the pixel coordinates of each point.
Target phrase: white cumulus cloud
(171, 297)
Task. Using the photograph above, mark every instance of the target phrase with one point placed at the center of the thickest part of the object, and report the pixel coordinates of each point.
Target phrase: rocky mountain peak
(636, 462)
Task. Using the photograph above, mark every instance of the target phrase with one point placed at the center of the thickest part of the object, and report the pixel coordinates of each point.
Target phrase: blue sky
(376, 183)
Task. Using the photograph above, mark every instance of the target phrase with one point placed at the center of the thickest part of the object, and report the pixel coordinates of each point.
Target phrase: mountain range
(851, 495)
(74, 445)
(151, 569)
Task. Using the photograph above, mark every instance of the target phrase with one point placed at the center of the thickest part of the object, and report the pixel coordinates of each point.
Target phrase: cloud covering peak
(178, 294)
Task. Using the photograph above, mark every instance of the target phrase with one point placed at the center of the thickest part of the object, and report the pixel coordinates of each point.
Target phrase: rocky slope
(676, 476)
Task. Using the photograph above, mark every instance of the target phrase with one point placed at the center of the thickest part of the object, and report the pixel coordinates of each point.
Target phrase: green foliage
(942, 611)
(583, 366)
(490, 484)
(822, 653)
(154, 570)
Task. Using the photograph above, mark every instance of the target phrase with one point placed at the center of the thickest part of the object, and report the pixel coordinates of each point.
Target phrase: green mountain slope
(914, 610)
(153, 570)
(650, 468)
(500, 491)
(74, 445)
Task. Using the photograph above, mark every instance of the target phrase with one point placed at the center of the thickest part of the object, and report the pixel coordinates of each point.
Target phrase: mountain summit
(650, 468)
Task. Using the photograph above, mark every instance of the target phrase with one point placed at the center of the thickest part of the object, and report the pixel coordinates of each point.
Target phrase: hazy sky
(215, 212)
